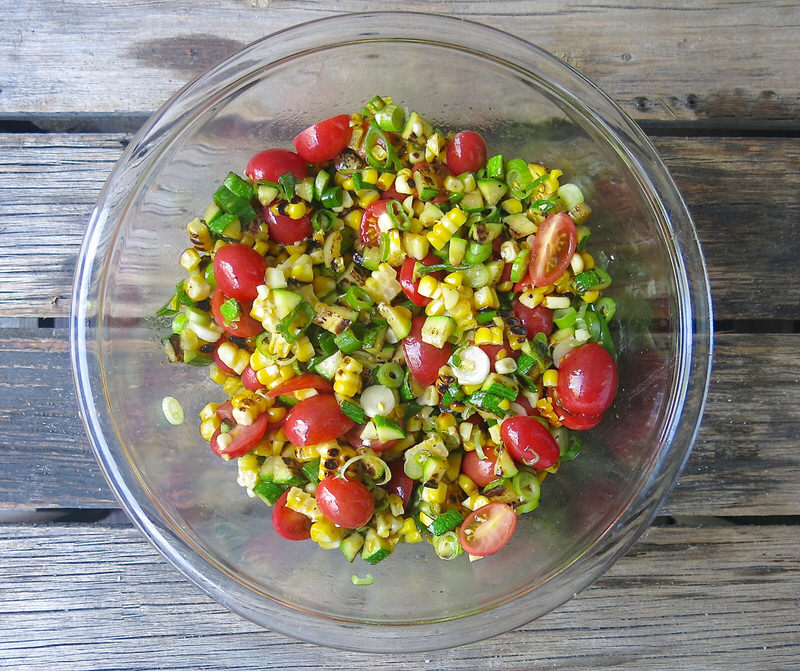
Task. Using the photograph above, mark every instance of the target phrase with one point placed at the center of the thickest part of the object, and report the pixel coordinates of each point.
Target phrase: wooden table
(715, 583)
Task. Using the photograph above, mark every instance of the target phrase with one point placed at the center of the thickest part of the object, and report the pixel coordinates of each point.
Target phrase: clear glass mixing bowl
(186, 501)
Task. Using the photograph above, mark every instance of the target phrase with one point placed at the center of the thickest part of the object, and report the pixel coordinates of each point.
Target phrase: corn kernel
(410, 532)
(485, 297)
(296, 210)
(385, 181)
(530, 299)
(576, 263)
(368, 198)
(189, 259)
(505, 366)
(209, 410)
(475, 501)
(327, 535)
(467, 484)
(435, 494)
(209, 427)
(427, 286)
(556, 302)
(591, 296)
(511, 205)
(276, 413)
(455, 279)
(588, 260)
(416, 246)
(353, 219)
(435, 308)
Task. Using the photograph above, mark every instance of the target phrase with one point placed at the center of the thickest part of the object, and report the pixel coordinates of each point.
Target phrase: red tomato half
(466, 152)
(270, 164)
(316, 420)
(480, 471)
(285, 230)
(250, 379)
(288, 523)
(324, 140)
(244, 327)
(238, 271)
(370, 232)
(423, 360)
(487, 529)
(400, 483)
(353, 436)
(409, 284)
(587, 380)
(528, 441)
(305, 381)
(553, 247)
(347, 503)
(535, 320)
(245, 438)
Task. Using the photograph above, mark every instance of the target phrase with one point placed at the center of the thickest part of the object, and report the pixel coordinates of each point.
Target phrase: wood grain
(680, 598)
(744, 194)
(745, 461)
(660, 62)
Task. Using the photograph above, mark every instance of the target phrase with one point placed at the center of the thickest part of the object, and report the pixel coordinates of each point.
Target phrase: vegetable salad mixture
(410, 333)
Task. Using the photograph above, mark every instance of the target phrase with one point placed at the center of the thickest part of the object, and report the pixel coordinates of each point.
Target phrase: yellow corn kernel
(564, 283)
(410, 532)
(304, 271)
(511, 205)
(485, 297)
(348, 184)
(197, 288)
(435, 494)
(304, 349)
(385, 181)
(556, 302)
(591, 296)
(576, 263)
(545, 408)
(189, 259)
(475, 501)
(326, 534)
(270, 376)
(339, 179)
(435, 308)
(347, 379)
(368, 198)
(276, 413)
(428, 286)
(446, 227)
(258, 361)
(489, 335)
(369, 175)
(304, 453)
(209, 410)
(287, 372)
(353, 219)
(296, 210)
(401, 182)
(588, 260)
(530, 298)
(261, 246)
(416, 246)
(209, 427)
(387, 524)
(303, 503)
(231, 385)
(396, 505)
(323, 285)
(216, 375)
(199, 235)
(467, 485)
(224, 441)
(233, 357)
(455, 279)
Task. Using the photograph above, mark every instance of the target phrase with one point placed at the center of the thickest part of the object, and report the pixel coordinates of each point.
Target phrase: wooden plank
(737, 189)
(720, 597)
(660, 62)
(745, 461)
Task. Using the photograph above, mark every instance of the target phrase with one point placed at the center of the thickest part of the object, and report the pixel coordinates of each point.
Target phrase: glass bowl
(186, 501)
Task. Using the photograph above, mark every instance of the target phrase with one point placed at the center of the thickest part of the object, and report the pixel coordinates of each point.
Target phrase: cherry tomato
(535, 320)
(347, 503)
(353, 436)
(220, 363)
(528, 441)
(324, 140)
(493, 350)
(400, 483)
(409, 284)
(245, 438)
(571, 420)
(270, 164)
(285, 230)
(587, 380)
(288, 523)
(244, 327)
(480, 471)
(423, 360)
(304, 381)
(466, 152)
(316, 420)
(370, 232)
(250, 379)
(487, 529)
(238, 271)
(553, 247)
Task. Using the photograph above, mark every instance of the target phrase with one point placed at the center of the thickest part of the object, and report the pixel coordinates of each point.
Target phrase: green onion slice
(390, 375)
(288, 327)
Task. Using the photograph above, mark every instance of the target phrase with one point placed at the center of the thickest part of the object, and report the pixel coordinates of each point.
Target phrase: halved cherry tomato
(487, 529)
(466, 152)
(285, 230)
(480, 471)
(409, 284)
(370, 232)
(270, 164)
(288, 523)
(528, 441)
(400, 483)
(587, 380)
(423, 360)
(245, 438)
(353, 436)
(244, 327)
(324, 140)
(238, 271)
(347, 503)
(553, 247)
(250, 379)
(316, 420)
(571, 420)
(304, 381)
(535, 320)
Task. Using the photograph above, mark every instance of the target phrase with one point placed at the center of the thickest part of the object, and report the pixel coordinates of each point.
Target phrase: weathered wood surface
(744, 194)
(681, 598)
(745, 461)
(729, 62)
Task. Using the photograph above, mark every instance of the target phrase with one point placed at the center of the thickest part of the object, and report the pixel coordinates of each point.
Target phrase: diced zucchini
(592, 280)
(504, 466)
(328, 367)
(492, 190)
(472, 201)
(502, 386)
(275, 469)
(267, 491)
(354, 411)
(351, 545)
(331, 317)
(437, 329)
(520, 226)
(399, 319)
(410, 387)
(456, 250)
(285, 301)
(375, 548)
(388, 429)
(449, 519)
(433, 469)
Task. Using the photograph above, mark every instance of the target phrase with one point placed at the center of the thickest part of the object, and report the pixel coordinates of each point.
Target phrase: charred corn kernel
(446, 227)
(189, 259)
(326, 534)
(197, 288)
(396, 505)
(511, 205)
(492, 335)
(434, 146)
(576, 263)
(455, 279)
(387, 524)
(591, 296)
(416, 246)
(485, 297)
(199, 235)
(233, 357)
(353, 219)
(556, 302)
(529, 298)
(247, 407)
(209, 427)
(475, 501)
(588, 260)
(545, 408)
(467, 485)
(401, 184)
(303, 503)
(368, 198)
(276, 413)
(304, 453)
(431, 213)
(209, 410)
(428, 286)
(384, 181)
(347, 379)
(258, 361)
(435, 308)
(505, 366)
(304, 349)
(436, 494)
(410, 532)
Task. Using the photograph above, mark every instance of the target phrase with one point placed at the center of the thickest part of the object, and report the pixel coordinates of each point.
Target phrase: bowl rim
(695, 334)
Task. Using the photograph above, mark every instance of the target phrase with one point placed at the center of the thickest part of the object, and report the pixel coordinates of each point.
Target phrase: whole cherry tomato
(270, 164)
(238, 271)
(587, 380)
(528, 441)
(535, 320)
(466, 152)
(347, 503)
(324, 140)
(316, 420)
